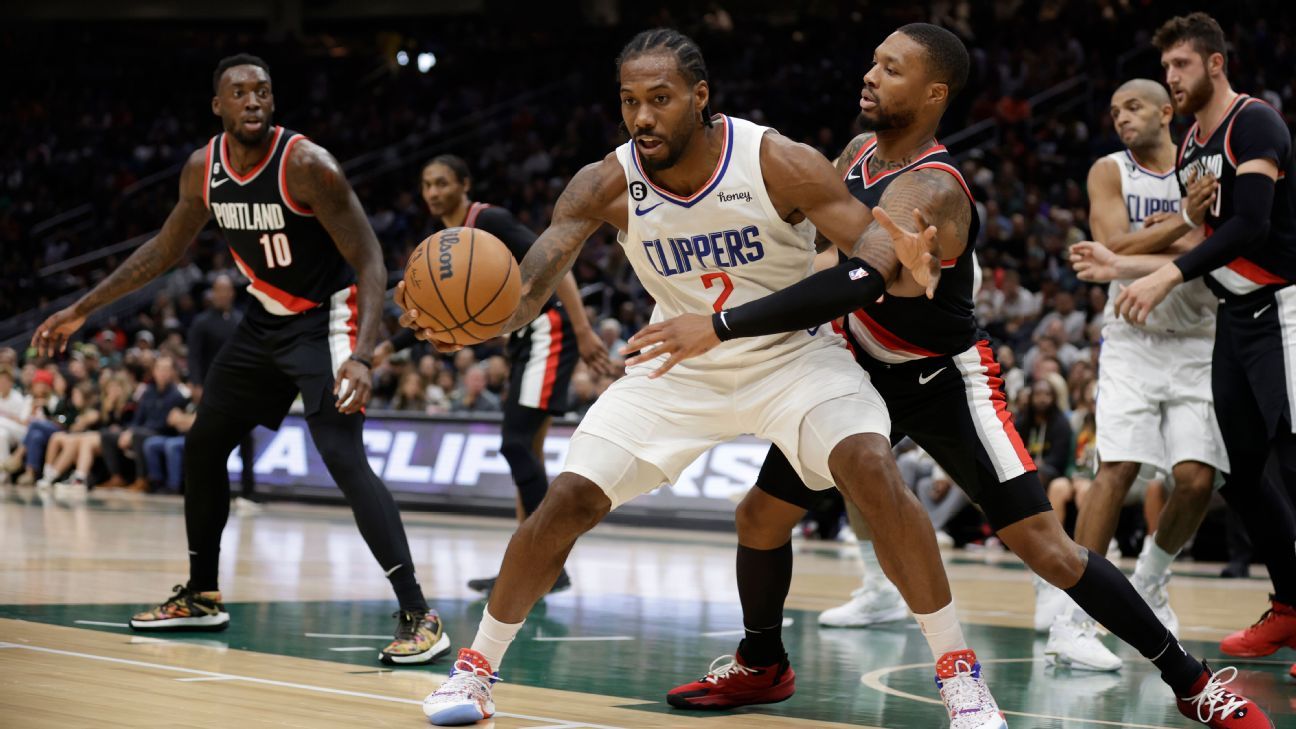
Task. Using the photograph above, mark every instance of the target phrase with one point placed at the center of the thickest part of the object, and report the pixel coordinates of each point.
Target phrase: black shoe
(484, 585)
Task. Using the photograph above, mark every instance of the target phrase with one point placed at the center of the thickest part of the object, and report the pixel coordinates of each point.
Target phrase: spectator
(41, 404)
(82, 416)
(1048, 440)
(609, 331)
(411, 394)
(164, 454)
(152, 410)
(583, 393)
(84, 447)
(14, 408)
(472, 396)
(1072, 322)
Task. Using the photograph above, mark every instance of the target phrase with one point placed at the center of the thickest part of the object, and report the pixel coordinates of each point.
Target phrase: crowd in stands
(124, 396)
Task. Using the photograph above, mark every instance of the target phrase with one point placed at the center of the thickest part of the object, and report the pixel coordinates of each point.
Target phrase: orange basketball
(464, 283)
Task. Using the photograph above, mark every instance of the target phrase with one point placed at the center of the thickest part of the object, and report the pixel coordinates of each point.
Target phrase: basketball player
(1249, 261)
(1154, 405)
(714, 210)
(940, 380)
(543, 353)
(298, 233)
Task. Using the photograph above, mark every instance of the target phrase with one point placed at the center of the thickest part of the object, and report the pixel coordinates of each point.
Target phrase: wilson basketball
(464, 283)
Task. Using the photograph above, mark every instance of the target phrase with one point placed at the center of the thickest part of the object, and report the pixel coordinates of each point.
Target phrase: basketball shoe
(185, 610)
(1216, 706)
(1051, 605)
(1154, 593)
(1275, 629)
(966, 696)
(484, 585)
(877, 601)
(465, 697)
(420, 638)
(1073, 643)
(730, 683)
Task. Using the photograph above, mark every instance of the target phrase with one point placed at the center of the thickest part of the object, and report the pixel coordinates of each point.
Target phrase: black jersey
(500, 223)
(904, 328)
(290, 260)
(1250, 130)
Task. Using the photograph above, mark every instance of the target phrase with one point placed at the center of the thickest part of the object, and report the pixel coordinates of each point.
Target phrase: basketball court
(650, 608)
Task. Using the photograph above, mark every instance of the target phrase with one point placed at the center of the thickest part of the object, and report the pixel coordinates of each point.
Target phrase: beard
(252, 139)
(1196, 96)
(673, 153)
(883, 120)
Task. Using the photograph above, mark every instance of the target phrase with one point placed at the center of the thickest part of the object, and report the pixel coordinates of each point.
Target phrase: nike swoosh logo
(924, 380)
(1262, 310)
(852, 177)
(645, 212)
(393, 569)
(218, 183)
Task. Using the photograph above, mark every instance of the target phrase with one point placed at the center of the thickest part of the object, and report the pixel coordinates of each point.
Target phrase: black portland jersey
(500, 223)
(905, 328)
(1250, 130)
(291, 261)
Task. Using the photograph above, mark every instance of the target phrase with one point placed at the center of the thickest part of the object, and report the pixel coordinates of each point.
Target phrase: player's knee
(764, 521)
(1060, 490)
(574, 505)
(1196, 480)
(1042, 544)
(1117, 476)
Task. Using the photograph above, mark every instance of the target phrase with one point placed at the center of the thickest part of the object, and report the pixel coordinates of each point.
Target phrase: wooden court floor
(650, 608)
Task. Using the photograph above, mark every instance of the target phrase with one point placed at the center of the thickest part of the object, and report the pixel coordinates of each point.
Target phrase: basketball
(464, 283)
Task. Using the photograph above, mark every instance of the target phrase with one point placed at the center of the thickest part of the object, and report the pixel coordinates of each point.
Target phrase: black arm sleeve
(501, 224)
(1253, 196)
(404, 339)
(820, 298)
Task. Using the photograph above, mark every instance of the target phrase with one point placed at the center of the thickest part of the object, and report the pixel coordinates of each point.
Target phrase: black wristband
(850, 285)
(361, 360)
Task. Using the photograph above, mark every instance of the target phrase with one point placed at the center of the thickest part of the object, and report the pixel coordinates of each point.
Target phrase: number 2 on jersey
(277, 251)
(721, 276)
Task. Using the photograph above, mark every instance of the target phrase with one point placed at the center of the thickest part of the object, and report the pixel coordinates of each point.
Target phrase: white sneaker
(1051, 604)
(246, 507)
(1154, 593)
(944, 540)
(966, 696)
(465, 697)
(878, 601)
(1073, 643)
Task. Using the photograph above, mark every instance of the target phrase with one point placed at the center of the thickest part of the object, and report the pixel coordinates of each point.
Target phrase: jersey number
(722, 277)
(278, 253)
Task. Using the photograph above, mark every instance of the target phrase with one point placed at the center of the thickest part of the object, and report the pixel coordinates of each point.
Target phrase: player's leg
(1178, 522)
(759, 671)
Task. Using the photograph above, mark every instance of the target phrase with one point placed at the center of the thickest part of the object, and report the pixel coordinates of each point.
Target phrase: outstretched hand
(53, 334)
(409, 320)
(681, 338)
(918, 252)
(1093, 262)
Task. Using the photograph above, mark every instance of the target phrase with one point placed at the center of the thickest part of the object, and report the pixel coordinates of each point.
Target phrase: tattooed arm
(842, 164)
(929, 198)
(316, 180)
(150, 260)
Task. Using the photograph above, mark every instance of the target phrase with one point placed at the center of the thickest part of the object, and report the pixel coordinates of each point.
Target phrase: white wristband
(1188, 220)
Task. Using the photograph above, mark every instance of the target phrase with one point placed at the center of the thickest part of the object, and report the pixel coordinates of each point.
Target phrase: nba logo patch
(858, 274)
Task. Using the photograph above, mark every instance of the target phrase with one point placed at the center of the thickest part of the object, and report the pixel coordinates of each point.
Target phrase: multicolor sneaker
(966, 696)
(185, 610)
(1275, 629)
(1216, 706)
(465, 697)
(420, 639)
(730, 683)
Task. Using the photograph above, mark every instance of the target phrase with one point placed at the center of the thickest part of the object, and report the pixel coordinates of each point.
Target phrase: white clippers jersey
(1190, 308)
(722, 246)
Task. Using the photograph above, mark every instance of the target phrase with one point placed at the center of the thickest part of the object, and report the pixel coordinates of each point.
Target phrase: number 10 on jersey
(277, 251)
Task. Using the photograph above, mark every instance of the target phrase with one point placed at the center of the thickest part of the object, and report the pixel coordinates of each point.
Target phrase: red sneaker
(1215, 706)
(1275, 629)
(730, 683)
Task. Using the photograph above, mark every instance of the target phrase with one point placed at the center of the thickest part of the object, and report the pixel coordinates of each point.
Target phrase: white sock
(942, 631)
(50, 472)
(1154, 561)
(493, 638)
(872, 568)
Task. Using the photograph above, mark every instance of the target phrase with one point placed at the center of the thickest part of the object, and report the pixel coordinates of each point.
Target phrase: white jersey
(1190, 308)
(722, 246)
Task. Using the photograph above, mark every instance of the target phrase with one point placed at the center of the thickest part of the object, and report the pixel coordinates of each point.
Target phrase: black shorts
(1253, 372)
(543, 356)
(954, 408)
(259, 371)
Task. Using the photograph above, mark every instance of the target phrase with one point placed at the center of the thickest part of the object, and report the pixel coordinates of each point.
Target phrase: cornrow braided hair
(687, 56)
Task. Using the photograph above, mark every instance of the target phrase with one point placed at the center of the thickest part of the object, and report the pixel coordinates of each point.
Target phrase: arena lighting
(426, 61)
(402, 58)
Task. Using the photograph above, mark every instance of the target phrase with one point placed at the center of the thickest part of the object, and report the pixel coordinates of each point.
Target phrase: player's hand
(382, 352)
(1093, 262)
(1135, 302)
(409, 320)
(917, 252)
(53, 334)
(1159, 218)
(681, 338)
(354, 383)
(593, 352)
(1202, 191)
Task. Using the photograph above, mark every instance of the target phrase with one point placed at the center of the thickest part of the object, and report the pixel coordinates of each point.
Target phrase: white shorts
(643, 433)
(1154, 403)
